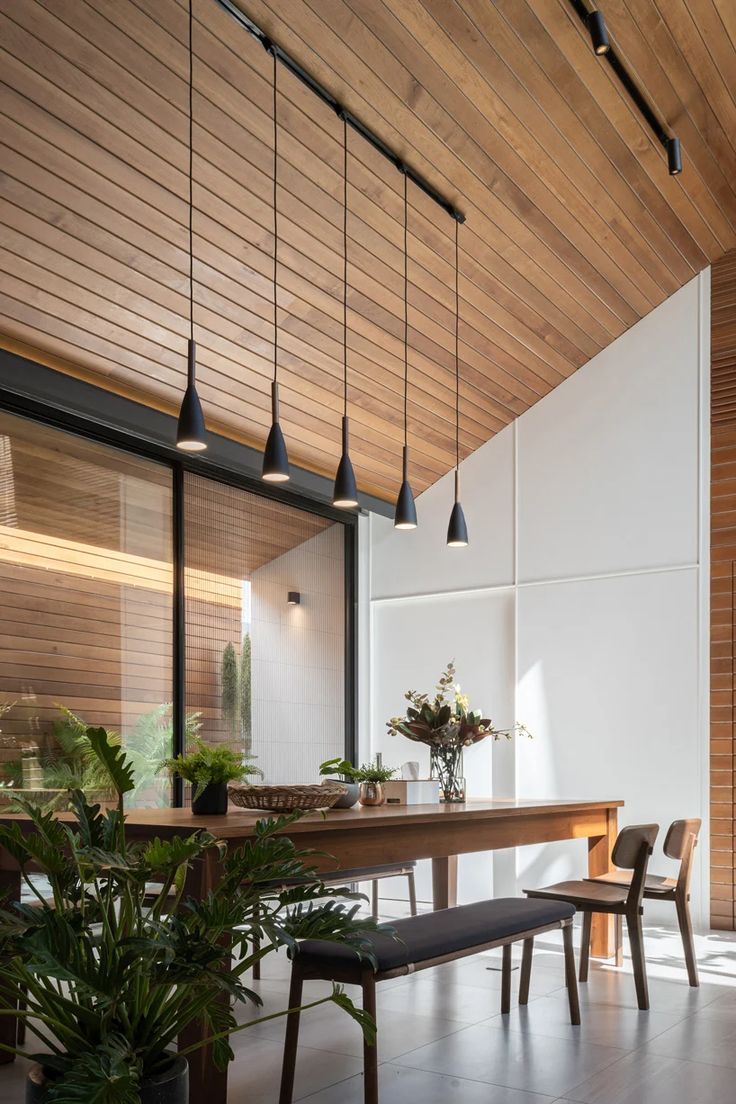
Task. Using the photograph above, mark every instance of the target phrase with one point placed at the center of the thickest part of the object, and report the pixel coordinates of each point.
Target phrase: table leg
(9, 891)
(603, 942)
(444, 882)
(207, 1085)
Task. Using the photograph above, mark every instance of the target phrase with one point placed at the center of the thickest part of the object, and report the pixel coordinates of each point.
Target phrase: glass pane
(264, 674)
(86, 582)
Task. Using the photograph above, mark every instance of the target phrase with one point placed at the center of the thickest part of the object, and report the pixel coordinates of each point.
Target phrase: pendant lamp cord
(275, 219)
(191, 171)
(457, 358)
(406, 311)
(345, 264)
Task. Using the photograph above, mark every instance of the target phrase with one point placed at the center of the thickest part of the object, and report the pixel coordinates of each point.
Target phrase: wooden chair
(680, 843)
(417, 943)
(630, 852)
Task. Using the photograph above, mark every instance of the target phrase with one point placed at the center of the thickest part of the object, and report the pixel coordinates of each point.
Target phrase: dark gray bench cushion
(445, 932)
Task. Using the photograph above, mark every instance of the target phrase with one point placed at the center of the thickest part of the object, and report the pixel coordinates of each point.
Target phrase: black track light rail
(319, 90)
(638, 98)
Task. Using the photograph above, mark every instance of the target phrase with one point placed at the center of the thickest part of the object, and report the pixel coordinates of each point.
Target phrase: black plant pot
(210, 800)
(169, 1087)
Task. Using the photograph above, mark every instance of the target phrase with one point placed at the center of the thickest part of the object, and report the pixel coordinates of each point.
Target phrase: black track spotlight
(457, 530)
(598, 32)
(275, 456)
(190, 429)
(345, 493)
(674, 156)
(405, 514)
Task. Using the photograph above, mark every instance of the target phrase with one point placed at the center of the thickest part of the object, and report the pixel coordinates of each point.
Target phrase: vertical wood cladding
(723, 592)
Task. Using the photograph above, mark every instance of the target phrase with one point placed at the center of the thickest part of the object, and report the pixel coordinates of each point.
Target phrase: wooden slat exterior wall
(723, 593)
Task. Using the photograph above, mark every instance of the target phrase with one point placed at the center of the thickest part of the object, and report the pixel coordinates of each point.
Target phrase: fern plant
(109, 977)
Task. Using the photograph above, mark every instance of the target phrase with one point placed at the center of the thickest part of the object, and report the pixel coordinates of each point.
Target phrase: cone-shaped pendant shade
(457, 530)
(405, 515)
(346, 491)
(190, 430)
(275, 456)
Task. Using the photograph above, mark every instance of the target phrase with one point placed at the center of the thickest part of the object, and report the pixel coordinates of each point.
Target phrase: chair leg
(686, 931)
(526, 970)
(585, 945)
(636, 942)
(506, 979)
(570, 979)
(370, 1053)
(412, 892)
(292, 1037)
(618, 937)
(374, 894)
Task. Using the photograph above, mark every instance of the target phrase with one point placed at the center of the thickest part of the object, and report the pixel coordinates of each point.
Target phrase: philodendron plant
(109, 973)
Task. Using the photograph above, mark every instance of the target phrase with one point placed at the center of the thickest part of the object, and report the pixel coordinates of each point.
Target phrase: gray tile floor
(443, 1041)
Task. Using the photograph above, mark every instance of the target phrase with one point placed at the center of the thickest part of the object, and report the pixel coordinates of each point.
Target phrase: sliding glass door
(162, 605)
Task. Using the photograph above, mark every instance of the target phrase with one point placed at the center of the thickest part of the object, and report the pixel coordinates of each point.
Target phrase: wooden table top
(237, 823)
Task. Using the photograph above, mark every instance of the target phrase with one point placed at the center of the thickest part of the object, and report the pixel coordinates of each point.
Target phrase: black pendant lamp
(405, 515)
(275, 457)
(457, 530)
(345, 493)
(190, 429)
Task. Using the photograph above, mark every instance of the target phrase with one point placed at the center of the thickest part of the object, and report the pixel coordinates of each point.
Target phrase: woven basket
(285, 799)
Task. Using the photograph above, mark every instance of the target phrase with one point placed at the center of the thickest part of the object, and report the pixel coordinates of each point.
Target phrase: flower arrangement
(447, 725)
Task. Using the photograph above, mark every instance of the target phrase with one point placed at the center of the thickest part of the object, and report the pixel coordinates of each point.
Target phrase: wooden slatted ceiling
(574, 232)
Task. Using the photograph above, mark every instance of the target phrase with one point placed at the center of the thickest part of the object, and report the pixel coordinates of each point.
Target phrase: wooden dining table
(365, 836)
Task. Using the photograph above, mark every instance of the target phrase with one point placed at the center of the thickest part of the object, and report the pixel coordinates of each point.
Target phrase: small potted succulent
(371, 778)
(209, 768)
(344, 772)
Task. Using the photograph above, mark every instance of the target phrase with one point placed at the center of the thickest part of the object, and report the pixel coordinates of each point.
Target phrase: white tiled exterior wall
(297, 682)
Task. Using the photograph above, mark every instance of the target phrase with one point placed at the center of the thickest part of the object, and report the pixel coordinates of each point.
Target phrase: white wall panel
(412, 642)
(419, 562)
(608, 683)
(608, 461)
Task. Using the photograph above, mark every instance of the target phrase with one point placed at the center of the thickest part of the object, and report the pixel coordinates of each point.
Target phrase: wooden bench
(423, 941)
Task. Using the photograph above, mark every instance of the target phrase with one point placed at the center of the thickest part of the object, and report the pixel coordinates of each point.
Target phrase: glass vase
(446, 766)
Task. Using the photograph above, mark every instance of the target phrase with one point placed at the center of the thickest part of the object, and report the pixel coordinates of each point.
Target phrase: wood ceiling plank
(484, 89)
(561, 90)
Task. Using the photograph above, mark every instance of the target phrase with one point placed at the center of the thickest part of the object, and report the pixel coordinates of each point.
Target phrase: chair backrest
(679, 843)
(631, 851)
(628, 845)
(678, 837)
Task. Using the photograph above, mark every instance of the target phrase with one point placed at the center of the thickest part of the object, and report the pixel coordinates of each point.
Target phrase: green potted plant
(108, 972)
(344, 772)
(371, 777)
(209, 768)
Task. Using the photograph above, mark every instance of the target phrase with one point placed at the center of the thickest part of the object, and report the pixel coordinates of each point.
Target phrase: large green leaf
(113, 759)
